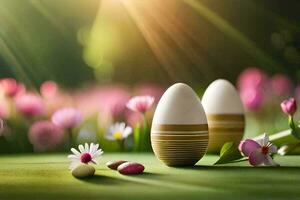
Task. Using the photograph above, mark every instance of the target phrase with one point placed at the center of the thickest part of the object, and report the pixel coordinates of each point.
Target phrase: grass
(47, 177)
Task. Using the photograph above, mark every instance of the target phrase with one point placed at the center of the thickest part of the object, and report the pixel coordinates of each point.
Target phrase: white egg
(179, 133)
(225, 114)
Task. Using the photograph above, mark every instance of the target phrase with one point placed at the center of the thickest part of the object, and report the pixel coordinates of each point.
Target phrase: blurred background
(94, 55)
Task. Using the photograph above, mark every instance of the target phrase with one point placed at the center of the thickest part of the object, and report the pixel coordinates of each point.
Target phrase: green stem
(70, 139)
(144, 138)
(281, 138)
(291, 122)
(121, 145)
(295, 129)
(136, 136)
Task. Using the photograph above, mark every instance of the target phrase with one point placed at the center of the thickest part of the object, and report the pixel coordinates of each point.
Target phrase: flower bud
(289, 106)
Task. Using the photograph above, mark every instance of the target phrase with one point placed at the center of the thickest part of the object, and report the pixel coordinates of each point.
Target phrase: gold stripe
(183, 137)
(180, 158)
(179, 132)
(173, 151)
(180, 140)
(225, 117)
(179, 127)
(226, 129)
(198, 145)
(227, 125)
(171, 141)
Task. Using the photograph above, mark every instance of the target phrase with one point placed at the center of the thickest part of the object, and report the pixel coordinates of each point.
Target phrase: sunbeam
(233, 33)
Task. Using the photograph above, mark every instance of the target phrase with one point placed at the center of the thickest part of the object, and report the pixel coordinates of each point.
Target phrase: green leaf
(229, 153)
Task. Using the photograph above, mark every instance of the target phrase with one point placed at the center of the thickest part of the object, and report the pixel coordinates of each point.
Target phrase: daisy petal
(127, 131)
(269, 161)
(248, 146)
(110, 137)
(72, 156)
(256, 157)
(91, 148)
(74, 159)
(77, 153)
(122, 126)
(98, 153)
(95, 148)
(73, 165)
(81, 148)
(86, 147)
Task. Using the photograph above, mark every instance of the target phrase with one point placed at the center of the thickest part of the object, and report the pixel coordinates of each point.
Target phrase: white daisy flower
(118, 131)
(86, 154)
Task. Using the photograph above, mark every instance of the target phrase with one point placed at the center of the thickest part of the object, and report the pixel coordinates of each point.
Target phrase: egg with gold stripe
(179, 132)
(225, 114)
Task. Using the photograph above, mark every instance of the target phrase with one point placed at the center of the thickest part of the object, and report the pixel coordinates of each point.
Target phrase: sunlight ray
(27, 63)
(16, 67)
(233, 33)
(38, 5)
(181, 36)
(158, 45)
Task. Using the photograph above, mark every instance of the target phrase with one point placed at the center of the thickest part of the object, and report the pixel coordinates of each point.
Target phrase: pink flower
(150, 89)
(259, 151)
(67, 118)
(48, 89)
(281, 85)
(252, 77)
(4, 108)
(140, 103)
(44, 135)
(252, 98)
(29, 104)
(289, 106)
(113, 100)
(252, 83)
(110, 100)
(10, 87)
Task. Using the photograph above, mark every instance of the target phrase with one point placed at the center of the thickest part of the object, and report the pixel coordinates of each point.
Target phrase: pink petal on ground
(257, 157)
(248, 146)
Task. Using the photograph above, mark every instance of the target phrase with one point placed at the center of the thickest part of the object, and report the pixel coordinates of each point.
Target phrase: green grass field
(47, 177)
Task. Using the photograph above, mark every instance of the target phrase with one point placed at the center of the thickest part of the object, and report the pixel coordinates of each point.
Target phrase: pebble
(83, 171)
(131, 168)
(115, 164)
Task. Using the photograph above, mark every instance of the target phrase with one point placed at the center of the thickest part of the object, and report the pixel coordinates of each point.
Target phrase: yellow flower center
(117, 135)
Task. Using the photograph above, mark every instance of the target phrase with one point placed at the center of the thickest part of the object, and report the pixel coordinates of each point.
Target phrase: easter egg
(83, 171)
(225, 114)
(179, 132)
